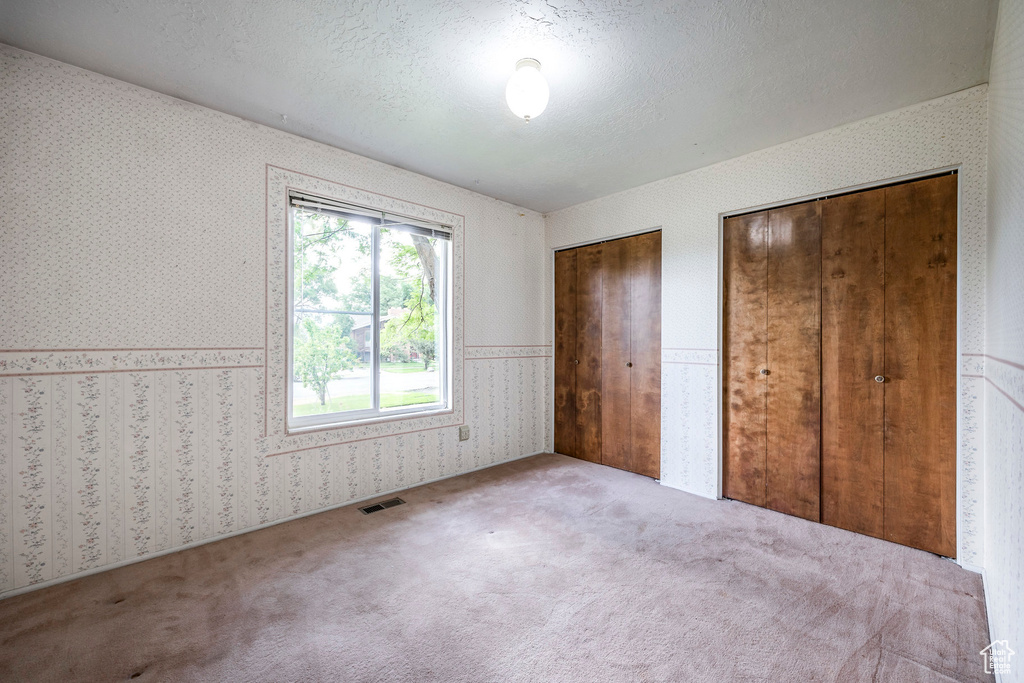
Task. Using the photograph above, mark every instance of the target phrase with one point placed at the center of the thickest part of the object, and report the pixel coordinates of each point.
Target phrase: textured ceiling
(639, 90)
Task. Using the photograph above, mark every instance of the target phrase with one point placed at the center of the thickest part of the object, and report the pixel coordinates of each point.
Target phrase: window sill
(292, 430)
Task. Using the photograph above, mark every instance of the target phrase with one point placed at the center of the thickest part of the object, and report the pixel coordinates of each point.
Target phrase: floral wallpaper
(104, 467)
(86, 362)
(1003, 365)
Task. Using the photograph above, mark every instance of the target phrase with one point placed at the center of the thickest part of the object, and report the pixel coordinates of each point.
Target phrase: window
(369, 314)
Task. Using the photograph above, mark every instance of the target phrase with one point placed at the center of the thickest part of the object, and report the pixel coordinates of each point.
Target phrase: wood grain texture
(852, 354)
(794, 356)
(565, 352)
(920, 361)
(645, 341)
(744, 344)
(589, 295)
(615, 354)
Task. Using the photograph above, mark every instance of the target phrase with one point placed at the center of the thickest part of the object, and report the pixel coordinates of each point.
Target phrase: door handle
(764, 371)
(576, 362)
(628, 364)
(879, 378)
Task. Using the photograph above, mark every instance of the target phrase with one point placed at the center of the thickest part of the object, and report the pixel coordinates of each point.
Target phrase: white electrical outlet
(464, 433)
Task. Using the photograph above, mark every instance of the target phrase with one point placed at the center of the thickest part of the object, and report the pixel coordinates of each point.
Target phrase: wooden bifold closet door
(852, 296)
(608, 353)
(771, 416)
(858, 413)
(920, 365)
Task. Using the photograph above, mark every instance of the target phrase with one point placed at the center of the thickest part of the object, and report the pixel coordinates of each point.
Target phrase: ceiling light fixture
(527, 91)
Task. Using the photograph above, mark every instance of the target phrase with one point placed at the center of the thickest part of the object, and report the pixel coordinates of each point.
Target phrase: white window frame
(444, 304)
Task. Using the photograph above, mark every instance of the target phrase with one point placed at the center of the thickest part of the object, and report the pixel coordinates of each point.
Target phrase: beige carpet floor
(544, 569)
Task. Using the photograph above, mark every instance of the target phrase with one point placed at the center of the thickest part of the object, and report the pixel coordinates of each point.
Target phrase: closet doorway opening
(840, 363)
(607, 388)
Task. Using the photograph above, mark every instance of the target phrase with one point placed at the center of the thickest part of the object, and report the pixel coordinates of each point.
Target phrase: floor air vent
(383, 505)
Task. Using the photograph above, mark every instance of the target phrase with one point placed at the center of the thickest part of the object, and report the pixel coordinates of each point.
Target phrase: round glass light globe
(527, 91)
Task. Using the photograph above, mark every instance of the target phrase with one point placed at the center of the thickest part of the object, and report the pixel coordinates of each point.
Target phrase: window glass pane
(332, 341)
(411, 286)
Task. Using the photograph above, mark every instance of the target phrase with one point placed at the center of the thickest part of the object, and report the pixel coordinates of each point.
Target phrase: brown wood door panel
(615, 350)
(852, 354)
(920, 364)
(744, 344)
(589, 269)
(645, 342)
(604, 410)
(794, 350)
(565, 352)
